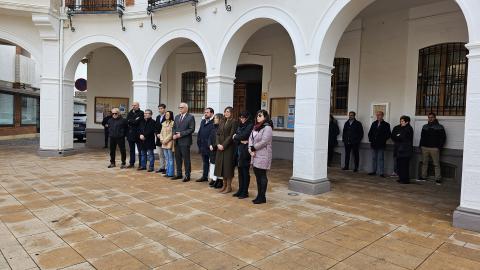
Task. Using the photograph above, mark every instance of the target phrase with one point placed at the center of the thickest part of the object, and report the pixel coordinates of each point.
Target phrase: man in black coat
(432, 140)
(105, 128)
(352, 136)
(117, 129)
(183, 128)
(134, 116)
(162, 108)
(146, 131)
(240, 138)
(378, 135)
(206, 127)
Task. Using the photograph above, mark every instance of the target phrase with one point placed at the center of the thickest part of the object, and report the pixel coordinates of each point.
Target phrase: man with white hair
(183, 128)
(134, 117)
(117, 129)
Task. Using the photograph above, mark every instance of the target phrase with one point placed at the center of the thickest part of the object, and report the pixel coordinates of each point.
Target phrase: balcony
(156, 4)
(94, 7)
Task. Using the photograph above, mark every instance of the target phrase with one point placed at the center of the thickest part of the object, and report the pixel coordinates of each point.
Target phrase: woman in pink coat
(260, 148)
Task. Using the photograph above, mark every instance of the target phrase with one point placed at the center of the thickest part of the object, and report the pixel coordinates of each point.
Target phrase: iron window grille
(339, 86)
(442, 79)
(158, 4)
(95, 7)
(193, 91)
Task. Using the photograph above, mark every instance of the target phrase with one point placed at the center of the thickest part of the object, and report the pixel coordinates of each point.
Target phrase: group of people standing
(432, 140)
(223, 144)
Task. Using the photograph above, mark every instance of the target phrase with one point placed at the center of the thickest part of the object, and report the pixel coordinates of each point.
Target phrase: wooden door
(239, 98)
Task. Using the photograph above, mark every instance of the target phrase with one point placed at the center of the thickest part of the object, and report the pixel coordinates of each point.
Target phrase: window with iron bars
(193, 91)
(442, 79)
(339, 87)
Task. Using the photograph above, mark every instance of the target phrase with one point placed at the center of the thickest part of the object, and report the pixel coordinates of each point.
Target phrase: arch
(340, 14)
(244, 27)
(163, 48)
(83, 46)
(15, 39)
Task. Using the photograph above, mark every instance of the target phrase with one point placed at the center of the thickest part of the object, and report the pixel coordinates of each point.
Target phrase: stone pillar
(147, 93)
(56, 104)
(219, 92)
(467, 215)
(312, 108)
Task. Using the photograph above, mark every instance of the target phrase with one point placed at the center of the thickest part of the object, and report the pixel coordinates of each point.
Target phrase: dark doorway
(248, 89)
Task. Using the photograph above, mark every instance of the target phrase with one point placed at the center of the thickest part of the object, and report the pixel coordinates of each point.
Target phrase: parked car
(79, 126)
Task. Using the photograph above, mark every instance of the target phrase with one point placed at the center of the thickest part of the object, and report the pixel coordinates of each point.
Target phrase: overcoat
(225, 160)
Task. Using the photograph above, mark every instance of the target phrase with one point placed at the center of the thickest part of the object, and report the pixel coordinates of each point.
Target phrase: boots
(218, 184)
(211, 183)
(228, 188)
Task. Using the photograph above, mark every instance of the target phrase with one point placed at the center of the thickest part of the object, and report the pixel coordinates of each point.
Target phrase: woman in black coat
(146, 130)
(333, 132)
(216, 182)
(402, 135)
(243, 156)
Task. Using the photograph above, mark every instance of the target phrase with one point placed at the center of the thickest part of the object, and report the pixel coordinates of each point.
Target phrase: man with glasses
(117, 129)
(135, 115)
(162, 108)
(183, 128)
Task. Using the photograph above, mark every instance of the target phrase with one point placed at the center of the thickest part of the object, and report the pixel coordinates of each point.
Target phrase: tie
(181, 118)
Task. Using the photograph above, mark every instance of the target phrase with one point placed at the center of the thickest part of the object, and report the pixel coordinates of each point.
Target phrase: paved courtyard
(74, 213)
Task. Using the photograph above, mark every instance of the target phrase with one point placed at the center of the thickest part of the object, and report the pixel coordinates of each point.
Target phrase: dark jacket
(202, 136)
(333, 132)
(105, 122)
(403, 139)
(147, 129)
(378, 135)
(134, 118)
(352, 134)
(158, 128)
(212, 141)
(117, 127)
(225, 162)
(186, 127)
(433, 135)
(243, 134)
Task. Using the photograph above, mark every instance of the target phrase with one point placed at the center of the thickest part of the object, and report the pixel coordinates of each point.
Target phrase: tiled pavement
(74, 213)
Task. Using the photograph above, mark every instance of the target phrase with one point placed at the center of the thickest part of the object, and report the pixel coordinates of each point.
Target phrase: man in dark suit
(158, 129)
(352, 136)
(206, 127)
(134, 116)
(183, 128)
(105, 128)
(378, 135)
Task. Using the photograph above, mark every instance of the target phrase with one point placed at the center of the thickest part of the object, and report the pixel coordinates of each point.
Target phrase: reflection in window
(30, 108)
(442, 79)
(339, 91)
(193, 91)
(6, 109)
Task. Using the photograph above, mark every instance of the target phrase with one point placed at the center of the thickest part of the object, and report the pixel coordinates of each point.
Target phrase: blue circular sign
(81, 84)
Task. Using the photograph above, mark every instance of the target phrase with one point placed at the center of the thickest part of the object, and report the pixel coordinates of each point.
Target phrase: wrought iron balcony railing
(94, 7)
(158, 4)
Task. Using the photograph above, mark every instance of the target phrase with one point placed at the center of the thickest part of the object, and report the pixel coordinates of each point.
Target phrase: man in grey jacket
(183, 128)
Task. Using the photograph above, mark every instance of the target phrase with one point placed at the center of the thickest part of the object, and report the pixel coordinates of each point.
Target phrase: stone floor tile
(393, 256)
(154, 254)
(210, 236)
(58, 258)
(135, 220)
(459, 251)
(77, 234)
(95, 248)
(214, 259)
(360, 261)
(81, 266)
(118, 261)
(181, 264)
(128, 239)
(157, 231)
(183, 244)
(108, 226)
(244, 251)
(445, 261)
(40, 242)
(20, 262)
(327, 249)
(343, 240)
(296, 258)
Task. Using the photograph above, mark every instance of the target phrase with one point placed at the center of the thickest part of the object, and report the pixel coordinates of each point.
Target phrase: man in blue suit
(206, 127)
(183, 128)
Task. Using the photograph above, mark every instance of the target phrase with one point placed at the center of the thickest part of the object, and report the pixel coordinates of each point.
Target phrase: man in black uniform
(105, 128)
(352, 136)
(135, 115)
(117, 129)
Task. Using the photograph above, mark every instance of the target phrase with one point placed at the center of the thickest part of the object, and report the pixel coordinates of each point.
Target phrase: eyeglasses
(260, 115)
(181, 107)
(114, 113)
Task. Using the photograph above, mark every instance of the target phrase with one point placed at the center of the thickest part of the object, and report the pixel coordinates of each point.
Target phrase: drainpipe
(61, 134)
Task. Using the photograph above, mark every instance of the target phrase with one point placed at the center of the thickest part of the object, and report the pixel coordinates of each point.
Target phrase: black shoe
(141, 169)
(186, 179)
(382, 175)
(438, 182)
(112, 165)
(177, 177)
(211, 183)
(218, 184)
(372, 173)
(123, 166)
(203, 179)
(355, 170)
(160, 171)
(344, 169)
(105, 147)
(236, 194)
(401, 182)
(150, 170)
(243, 196)
(130, 166)
(259, 201)
(421, 179)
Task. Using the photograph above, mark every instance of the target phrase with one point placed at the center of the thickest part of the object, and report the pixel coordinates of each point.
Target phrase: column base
(467, 218)
(55, 153)
(309, 187)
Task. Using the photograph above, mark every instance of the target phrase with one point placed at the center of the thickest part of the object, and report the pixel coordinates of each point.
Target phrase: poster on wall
(103, 105)
(264, 100)
(380, 107)
(282, 111)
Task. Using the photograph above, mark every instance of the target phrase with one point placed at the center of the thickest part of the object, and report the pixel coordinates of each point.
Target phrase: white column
(312, 108)
(147, 93)
(219, 92)
(467, 215)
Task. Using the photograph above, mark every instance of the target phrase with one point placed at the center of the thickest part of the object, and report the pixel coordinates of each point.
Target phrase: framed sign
(282, 111)
(380, 107)
(103, 105)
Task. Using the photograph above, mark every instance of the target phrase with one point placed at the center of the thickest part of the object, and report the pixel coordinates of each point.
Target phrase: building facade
(300, 60)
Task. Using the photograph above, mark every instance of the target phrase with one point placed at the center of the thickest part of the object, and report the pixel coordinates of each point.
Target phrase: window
(6, 109)
(30, 106)
(442, 79)
(193, 91)
(339, 91)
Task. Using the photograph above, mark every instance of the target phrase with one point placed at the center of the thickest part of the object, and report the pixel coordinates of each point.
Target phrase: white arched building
(408, 57)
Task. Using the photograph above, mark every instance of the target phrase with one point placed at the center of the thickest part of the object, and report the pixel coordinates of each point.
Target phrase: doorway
(248, 89)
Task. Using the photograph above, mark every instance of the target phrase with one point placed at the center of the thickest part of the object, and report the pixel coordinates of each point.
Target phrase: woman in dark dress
(224, 161)
(216, 182)
(241, 136)
(402, 135)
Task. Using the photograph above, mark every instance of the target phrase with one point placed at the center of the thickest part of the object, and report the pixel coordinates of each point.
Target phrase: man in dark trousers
(158, 129)
(117, 129)
(352, 136)
(146, 129)
(183, 128)
(432, 140)
(378, 135)
(135, 115)
(206, 127)
(105, 128)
